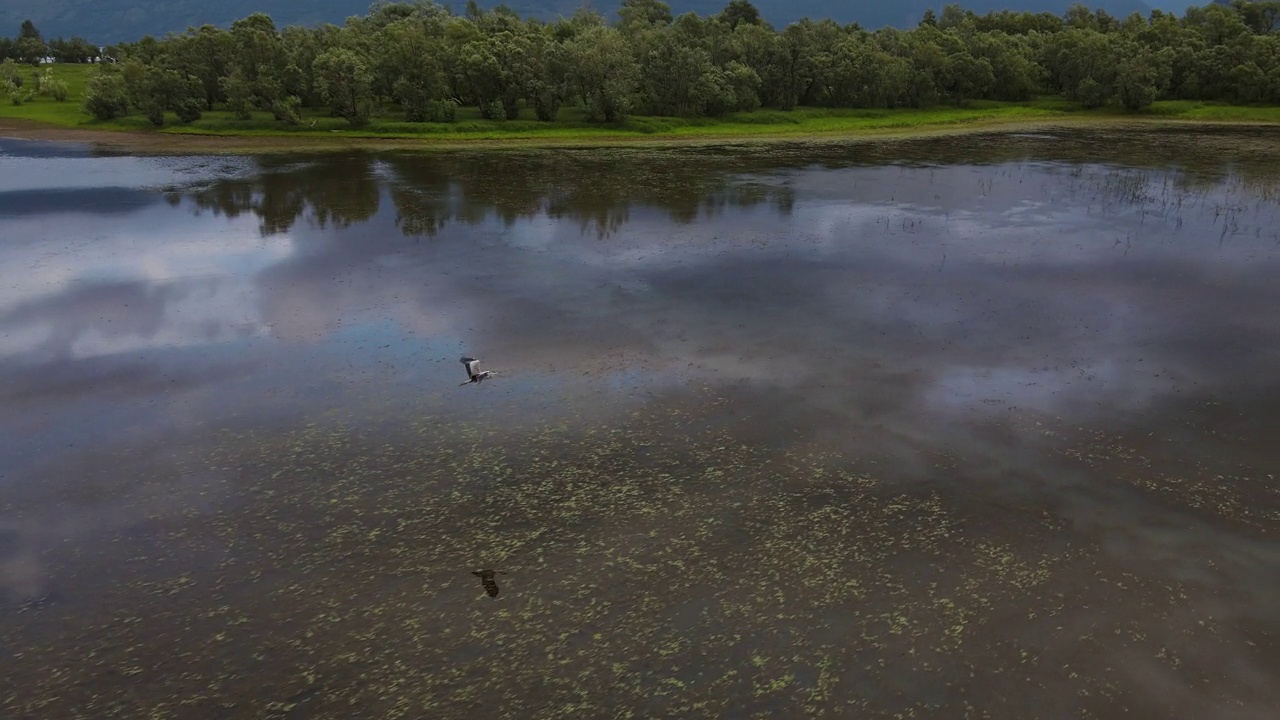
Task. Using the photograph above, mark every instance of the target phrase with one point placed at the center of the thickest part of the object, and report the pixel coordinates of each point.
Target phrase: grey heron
(474, 372)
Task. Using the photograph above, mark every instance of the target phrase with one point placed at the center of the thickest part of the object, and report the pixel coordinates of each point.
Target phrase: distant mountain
(110, 21)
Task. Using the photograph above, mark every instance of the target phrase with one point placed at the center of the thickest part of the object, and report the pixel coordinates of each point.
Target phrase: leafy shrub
(445, 111)
(17, 94)
(286, 109)
(239, 94)
(546, 105)
(106, 97)
(9, 72)
(1092, 93)
(189, 109)
(155, 113)
(493, 110)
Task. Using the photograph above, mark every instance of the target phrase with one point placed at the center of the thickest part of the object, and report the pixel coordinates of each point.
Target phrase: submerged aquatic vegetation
(655, 566)
(1236, 494)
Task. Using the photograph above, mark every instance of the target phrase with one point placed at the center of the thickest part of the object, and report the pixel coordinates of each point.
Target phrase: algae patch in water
(657, 567)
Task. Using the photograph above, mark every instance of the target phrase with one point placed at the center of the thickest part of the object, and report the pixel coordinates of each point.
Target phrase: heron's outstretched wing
(472, 365)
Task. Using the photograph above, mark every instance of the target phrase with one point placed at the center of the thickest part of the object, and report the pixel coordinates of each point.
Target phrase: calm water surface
(968, 427)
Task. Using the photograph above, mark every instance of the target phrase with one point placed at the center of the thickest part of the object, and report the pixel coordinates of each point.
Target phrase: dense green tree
(603, 72)
(1018, 23)
(967, 77)
(638, 15)
(1267, 59)
(955, 16)
(583, 19)
(75, 50)
(157, 89)
(742, 85)
(346, 84)
(1080, 17)
(301, 47)
(856, 76)
(680, 80)
(205, 53)
(763, 51)
(671, 75)
(740, 11)
(411, 64)
(799, 64)
(1213, 68)
(1217, 24)
(547, 85)
(498, 69)
(383, 13)
(30, 47)
(1015, 74)
(262, 75)
(930, 68)
(1082, 65)
(1261, 17)
(238, 93)
(1141, 76)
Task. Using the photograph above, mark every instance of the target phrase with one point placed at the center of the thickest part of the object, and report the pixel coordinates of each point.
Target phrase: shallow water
(978, 426)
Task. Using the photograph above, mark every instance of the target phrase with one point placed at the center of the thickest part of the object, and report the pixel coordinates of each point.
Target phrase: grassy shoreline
(175, 143)
(44, 118)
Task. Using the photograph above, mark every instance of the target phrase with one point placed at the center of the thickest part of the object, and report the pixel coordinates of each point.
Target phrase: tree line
(419, 62)
(30, 48)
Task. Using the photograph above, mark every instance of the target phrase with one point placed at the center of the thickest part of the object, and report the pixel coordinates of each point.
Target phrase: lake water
(982, 426)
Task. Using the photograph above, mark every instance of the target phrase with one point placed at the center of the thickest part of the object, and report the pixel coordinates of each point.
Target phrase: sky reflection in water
(1038, 284)
(897, 302)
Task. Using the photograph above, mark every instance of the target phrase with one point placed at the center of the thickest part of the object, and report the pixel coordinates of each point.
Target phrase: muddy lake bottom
(952, 427)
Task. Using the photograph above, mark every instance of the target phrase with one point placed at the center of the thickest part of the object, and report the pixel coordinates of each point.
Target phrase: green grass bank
(46, 115)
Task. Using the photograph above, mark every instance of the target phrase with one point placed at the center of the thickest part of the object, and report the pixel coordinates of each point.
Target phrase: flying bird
(486, 579)
(474, 372)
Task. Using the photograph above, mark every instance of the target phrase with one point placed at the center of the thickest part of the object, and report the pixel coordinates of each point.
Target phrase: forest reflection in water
(598, 189)
(957, 425)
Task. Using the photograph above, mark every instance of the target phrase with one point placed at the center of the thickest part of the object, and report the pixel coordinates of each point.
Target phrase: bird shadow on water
(487, 579)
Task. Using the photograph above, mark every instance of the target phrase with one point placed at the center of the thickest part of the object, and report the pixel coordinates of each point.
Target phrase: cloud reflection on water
(986, 280)
(905, 313)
